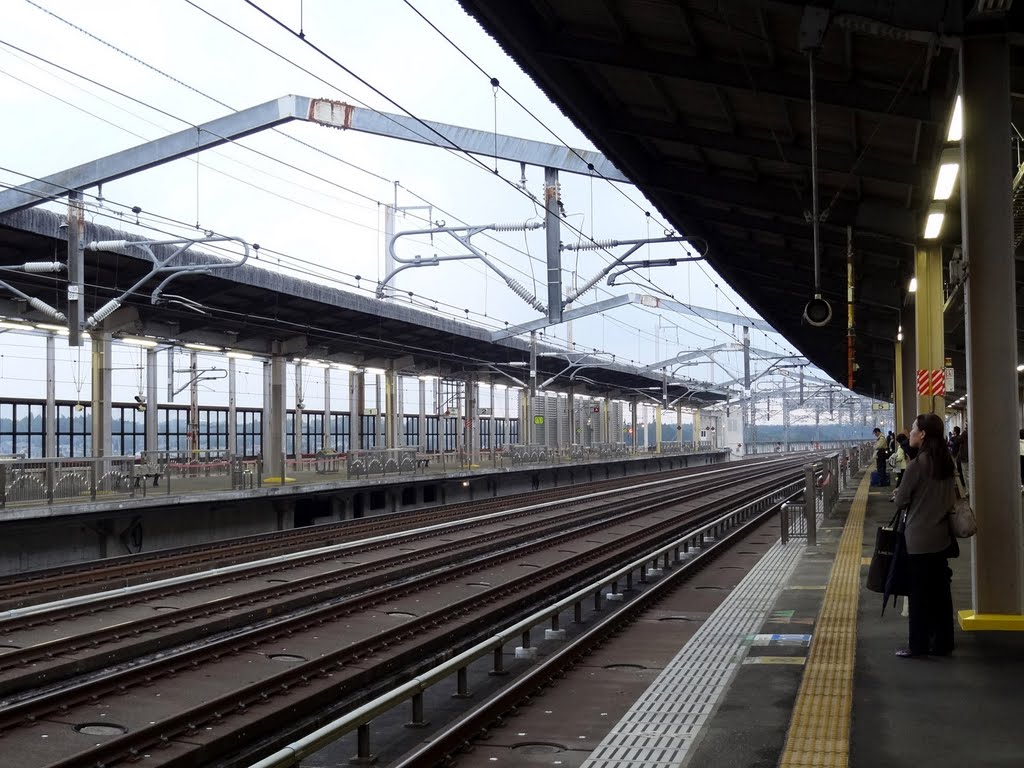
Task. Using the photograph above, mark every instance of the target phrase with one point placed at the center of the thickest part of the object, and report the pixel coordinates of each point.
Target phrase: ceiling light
(240, 355)
(374, 371)
(1020, 368)
(48, 327)
(202, 347)
(933, 226)
(343, 366)
(956, 122)
(15, 326)
(899, 336)
(945, 181)
(139, 342)
(312, 363)
(913, 283)
(428, 377)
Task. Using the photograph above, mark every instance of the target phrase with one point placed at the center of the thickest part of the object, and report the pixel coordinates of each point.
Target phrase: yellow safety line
(819, 731)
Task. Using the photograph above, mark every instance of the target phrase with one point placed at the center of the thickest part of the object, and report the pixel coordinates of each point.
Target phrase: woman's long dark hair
(934, 445)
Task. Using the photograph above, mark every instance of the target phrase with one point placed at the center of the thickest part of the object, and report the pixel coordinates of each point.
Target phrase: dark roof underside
(705, 105)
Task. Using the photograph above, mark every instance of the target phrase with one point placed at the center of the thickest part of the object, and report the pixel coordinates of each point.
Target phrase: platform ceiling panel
(706, 107)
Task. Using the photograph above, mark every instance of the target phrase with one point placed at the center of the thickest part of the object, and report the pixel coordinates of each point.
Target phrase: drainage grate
(663, 724)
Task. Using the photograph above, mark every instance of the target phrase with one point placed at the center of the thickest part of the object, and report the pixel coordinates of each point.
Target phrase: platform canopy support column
(422, 431)
(928, 321)
(357, 407)
(679, 427)
(696, 428)
(990, 306)
(327, 443)
(391, 414)
(232, 422)
(153, 404)
(526, 428)
(657, 428)
(51, 397)
(378, 409)
(471, 428)
(101, 392)
(633, 407)
(275, 413)
(908, 354)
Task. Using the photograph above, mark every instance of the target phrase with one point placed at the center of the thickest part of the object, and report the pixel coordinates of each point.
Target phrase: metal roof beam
(333, 114)
(714, 72)
(655, 302)
(892, 170)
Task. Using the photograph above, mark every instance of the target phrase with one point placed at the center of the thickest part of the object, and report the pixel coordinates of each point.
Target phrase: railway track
(276, 659)
(18, 590)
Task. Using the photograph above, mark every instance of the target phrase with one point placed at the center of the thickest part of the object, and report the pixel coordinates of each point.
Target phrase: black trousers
(880, 465)
(931, 604)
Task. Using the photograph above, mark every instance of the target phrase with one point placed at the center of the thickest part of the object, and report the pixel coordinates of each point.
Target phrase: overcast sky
(324, 213)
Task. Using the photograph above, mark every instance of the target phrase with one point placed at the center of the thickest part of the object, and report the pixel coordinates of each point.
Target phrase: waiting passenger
(898, 460)
(1022, 459)
(927, 492)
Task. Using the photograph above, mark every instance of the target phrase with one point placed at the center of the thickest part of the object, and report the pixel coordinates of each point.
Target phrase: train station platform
(816, 682)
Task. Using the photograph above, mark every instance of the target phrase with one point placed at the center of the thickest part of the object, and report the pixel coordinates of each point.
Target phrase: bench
(146, 471)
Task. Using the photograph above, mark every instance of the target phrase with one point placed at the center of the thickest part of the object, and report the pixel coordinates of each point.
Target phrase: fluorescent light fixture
(48, 327)
(956, 122)
(1020, 368)
(428, 377)
(240, 355)
(945, 181)
(202, 347)
(899, 336)
(913, 283)
(933, 226)
(135, 341)
(374, 371)
(343, 366)
(15, 326)
(313, 363)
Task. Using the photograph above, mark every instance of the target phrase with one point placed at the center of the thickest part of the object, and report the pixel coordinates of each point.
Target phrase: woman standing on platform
(928, 493)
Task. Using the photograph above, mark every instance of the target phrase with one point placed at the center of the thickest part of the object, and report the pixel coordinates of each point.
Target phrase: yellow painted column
(928, 322)
(899, 415)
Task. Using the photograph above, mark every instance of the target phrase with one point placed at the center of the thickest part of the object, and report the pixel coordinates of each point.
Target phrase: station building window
(127, 430)
(22, 429)
(499, 432)
(411, 430)
(451, 431)
(172, 430)
(248, 432)
(74, 430)
(432, 427)
(339, 432)
(312, 438)
(485, 433)
(368, 434)
(513, 431)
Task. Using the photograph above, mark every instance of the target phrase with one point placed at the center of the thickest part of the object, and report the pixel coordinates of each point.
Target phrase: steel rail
(332, 664)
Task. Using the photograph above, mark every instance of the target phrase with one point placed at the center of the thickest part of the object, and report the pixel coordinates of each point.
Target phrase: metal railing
(27, 482)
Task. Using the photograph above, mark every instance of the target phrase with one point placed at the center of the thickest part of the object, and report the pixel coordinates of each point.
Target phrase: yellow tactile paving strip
(819, 731)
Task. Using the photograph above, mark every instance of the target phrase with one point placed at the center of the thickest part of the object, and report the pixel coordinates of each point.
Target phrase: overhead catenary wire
(555, 135)
(573, 227)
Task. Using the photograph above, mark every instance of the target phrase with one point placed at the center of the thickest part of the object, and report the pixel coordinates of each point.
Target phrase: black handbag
(888, 572)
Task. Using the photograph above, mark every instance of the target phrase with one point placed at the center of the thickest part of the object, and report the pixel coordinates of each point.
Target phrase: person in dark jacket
(927, 491)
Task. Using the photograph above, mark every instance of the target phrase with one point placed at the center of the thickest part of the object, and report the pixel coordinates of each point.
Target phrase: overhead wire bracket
(163, 267)
(463, 235)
